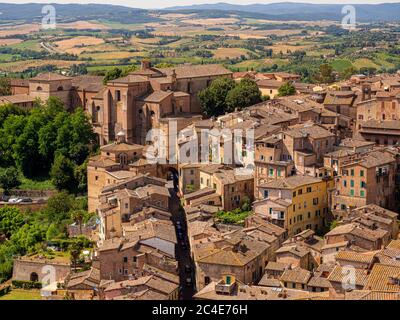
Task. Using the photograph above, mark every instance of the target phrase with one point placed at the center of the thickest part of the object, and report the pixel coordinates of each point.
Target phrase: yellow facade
(309, 208)
(298, 204)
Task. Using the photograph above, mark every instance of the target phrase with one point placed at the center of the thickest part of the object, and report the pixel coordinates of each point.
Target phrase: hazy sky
(168, 3)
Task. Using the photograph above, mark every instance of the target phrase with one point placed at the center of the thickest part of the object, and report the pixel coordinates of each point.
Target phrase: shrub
(27, 285)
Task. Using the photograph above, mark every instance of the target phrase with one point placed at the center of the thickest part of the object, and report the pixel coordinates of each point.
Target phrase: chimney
(146, 64)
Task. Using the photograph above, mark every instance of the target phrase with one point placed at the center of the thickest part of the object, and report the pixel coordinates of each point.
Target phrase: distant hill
(74, 12)
(277, 11)
(306, 11)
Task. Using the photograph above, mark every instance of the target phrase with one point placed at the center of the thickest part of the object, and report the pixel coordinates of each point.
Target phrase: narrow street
(182, 249)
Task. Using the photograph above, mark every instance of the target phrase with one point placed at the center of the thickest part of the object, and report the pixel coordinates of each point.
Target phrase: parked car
(183, 245)
(5, 198)
(188, 269)
(26, 200)
(189, 282)
(15, 200)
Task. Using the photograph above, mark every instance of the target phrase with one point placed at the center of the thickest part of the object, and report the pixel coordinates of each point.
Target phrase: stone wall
(24, 270)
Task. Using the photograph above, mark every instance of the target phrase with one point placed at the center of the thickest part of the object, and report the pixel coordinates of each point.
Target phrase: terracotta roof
(291, 182)
(19, 83)
(295, 249)
(121, 147)
(89, 278)
(340, 230)
(308, 130)
(17, 98)
(296, 275)
(335, 245)
(161, 273)
(244, 292)
(196, 71)
(88, 83)
(152, 228)
(49, 77)
(389, 256)
(276, 266)
(367, 257)
(371, 295)
(339, 272)
(377, 124)
(319, 282)
(265, 83)
(269, 282)
(156, 96)
(130, 79)
(353, 143)
(148, 294)
(380, 278)
(100, 161)
(339, 98)
(248, 250)
(394, 244)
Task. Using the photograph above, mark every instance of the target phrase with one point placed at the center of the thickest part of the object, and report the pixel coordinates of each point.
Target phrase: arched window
(39, 88)
(152, 113)
(97, 108)
(60, 88)
(34, 277)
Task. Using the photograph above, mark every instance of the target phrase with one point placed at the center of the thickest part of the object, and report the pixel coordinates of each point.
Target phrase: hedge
(26, 284)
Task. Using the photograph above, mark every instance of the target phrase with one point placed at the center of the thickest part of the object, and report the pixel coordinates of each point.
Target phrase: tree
(325, 74)
(78, 216)
(62, 174)
(75, 250)
(348, 72)
(112, 74)
(80, 174)
(59, 206)
(287, 89)
(213, 98)
(5, 86)
(11, 219)
(243, 95)
(164, 65)
(9, 179)
(52, 232)
(9, 109)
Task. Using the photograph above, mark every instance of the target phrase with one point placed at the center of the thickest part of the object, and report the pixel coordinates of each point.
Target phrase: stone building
(36, 268)
(295, 203)
(366, 179)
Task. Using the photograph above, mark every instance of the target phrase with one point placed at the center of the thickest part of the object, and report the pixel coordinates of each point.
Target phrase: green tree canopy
(112, 74)
(5, 86)
(287, 89)
(9, 179)
(11, 219)
(213, 98)
(325, 74)
(245, 94)
(225, 95)
(62, 173)
(31, 141)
